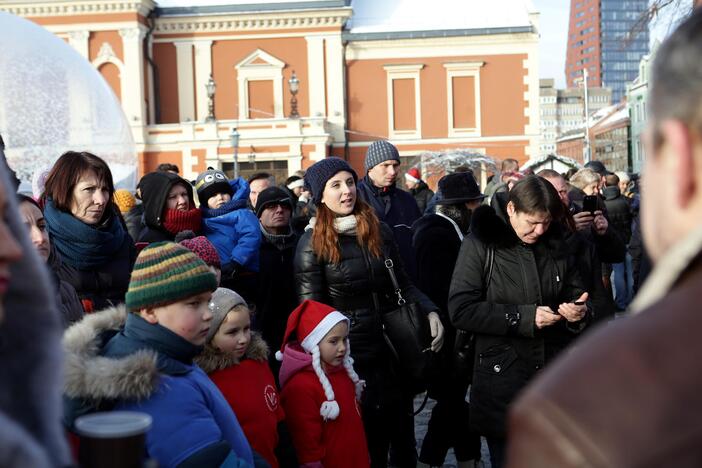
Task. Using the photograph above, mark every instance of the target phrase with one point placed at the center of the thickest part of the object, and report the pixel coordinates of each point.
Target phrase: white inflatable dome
(52, 100)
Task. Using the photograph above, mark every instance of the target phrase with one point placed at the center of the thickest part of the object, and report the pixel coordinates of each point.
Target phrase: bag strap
(489, 263)
(398, 291)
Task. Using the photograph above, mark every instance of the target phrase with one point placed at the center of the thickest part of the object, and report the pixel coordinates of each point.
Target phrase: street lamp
(586, 156)
(235, 145)
(211, 87)
(294, 88)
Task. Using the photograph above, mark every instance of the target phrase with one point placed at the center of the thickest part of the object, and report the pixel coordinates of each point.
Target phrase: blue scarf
(81, 245)
(228, 207)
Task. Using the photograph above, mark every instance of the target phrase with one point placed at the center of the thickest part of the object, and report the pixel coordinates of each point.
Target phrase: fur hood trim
(212, 359)
(493, 228)
(89, 375)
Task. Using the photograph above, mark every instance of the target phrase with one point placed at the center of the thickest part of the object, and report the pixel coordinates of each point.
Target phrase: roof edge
(375, 36)
(250, 8)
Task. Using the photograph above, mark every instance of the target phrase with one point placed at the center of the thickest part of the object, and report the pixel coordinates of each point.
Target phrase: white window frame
(398, 72)
(271, 70)
(461, 69)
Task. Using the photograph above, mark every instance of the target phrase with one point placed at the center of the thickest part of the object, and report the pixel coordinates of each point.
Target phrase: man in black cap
(275, 296)
(437, 240)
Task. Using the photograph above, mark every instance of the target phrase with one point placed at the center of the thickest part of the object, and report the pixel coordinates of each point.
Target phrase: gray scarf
(280, 241)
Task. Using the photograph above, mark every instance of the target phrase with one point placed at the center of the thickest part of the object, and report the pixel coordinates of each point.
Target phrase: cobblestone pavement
(420, 429)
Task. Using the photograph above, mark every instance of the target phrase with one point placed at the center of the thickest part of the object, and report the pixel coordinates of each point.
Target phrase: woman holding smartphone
(517, 289)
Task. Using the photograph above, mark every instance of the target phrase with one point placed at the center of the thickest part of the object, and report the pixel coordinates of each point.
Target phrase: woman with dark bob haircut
(517, 289)
(86, 230)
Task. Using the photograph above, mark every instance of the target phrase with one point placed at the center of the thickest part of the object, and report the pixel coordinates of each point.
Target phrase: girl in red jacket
(237, 362)
(320, 389)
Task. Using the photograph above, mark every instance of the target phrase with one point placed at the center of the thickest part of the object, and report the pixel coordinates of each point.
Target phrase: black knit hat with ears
(210, 183)
(320, 172)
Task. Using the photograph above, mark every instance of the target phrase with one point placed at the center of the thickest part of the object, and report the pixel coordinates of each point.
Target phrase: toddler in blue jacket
(228, 223)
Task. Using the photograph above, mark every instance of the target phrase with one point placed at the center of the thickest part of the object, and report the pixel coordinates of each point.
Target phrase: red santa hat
(413, 175)
(310, 322)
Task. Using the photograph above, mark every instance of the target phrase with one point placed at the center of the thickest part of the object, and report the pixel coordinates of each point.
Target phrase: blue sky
(554, 37)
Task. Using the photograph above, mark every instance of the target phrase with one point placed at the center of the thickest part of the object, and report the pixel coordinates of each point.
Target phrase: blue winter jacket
(139, 366)
(233, 229)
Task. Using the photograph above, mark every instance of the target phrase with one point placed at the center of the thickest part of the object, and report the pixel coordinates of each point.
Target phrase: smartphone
(590, 203)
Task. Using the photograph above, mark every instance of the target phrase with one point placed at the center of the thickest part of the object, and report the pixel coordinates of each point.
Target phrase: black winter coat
(422, 195)
(509, 347)
(619, 212)
(276, 296)
(349, 287)
(436, 243)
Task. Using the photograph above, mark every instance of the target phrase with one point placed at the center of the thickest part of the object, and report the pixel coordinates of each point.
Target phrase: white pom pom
(329, 410)
(279, 355)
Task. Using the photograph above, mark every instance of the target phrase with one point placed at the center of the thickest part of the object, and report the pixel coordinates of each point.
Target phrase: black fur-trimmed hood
(492, 228)
(212, 359)
(88, 375)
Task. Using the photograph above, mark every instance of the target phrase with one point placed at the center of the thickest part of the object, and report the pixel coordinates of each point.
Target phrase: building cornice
(260, 21)
(77, 7)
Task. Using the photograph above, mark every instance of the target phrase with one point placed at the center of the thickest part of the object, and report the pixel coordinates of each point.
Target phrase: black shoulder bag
(464, 347)
(407, 334)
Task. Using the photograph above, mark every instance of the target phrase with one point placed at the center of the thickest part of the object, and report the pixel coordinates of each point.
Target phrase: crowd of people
(246, 317)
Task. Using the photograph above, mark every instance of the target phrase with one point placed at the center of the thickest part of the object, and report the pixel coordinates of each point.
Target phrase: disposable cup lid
(113, 424)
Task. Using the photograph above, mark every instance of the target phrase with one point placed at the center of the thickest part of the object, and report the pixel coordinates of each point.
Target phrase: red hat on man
(413, 175)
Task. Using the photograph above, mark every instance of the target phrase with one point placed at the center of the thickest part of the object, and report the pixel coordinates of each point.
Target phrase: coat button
(497, 368)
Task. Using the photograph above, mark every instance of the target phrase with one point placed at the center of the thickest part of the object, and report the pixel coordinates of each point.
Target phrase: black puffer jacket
(619, 212)
(349, 287)
(422, 194)
(509, 347)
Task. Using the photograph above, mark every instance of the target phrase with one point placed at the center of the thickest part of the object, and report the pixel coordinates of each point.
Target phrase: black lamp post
(294, 88)
(211, 87)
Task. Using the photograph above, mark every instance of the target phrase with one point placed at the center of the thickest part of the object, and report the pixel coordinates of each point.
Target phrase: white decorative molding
(460, 69)
(106, 54)
(249, 70)
(399, 72)
(273, 20)
(84, 7)
(79, 40)
(132, 34)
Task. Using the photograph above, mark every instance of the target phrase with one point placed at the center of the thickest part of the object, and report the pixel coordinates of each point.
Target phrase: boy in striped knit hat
(139, 357)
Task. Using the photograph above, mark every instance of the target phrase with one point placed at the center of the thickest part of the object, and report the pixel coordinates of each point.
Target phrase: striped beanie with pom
(310, 322)
(164, 273)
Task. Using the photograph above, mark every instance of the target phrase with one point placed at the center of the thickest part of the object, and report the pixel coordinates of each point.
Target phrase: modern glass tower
(600, 39)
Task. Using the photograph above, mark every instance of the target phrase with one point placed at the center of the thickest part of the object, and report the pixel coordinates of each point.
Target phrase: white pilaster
(315, 74)
(133, 100)
(186, 91)
(203, 69)
(79, 41)
(335, 86)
